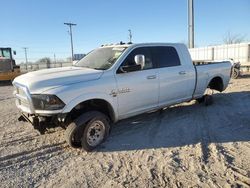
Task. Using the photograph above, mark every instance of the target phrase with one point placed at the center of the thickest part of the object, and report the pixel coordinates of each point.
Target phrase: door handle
(182, 72)
(151, 77)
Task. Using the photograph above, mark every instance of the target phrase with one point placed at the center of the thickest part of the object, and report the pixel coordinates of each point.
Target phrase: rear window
(166, 56)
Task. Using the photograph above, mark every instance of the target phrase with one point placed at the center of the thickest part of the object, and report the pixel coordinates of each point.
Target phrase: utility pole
(26, 59)
(71, 38)
(54, 60)
(190, 24)
(130, 36)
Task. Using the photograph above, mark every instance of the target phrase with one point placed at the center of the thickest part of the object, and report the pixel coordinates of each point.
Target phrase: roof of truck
(115, 45)
(119, 45)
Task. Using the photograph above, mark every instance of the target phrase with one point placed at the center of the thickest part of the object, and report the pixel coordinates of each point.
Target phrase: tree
(230, 38)
(44, 60)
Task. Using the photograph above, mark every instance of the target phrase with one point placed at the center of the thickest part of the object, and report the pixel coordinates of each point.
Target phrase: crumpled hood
(42, 80)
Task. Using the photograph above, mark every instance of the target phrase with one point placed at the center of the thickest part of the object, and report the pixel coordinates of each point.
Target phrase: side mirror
(129, 68)
(140, 60)
(14, 52)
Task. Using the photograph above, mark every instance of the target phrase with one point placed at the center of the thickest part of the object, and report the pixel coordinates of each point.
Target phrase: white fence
(238, 52)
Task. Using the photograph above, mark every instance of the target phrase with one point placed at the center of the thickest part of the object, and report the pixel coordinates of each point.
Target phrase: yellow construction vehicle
(8, 68)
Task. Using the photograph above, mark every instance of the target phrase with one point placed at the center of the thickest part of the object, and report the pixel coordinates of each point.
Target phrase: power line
(71, 38)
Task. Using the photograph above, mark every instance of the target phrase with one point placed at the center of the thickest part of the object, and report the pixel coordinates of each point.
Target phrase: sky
(38, 25)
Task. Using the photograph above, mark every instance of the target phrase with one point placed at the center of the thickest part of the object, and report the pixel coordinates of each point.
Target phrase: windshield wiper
(99, 68)
(90, 67)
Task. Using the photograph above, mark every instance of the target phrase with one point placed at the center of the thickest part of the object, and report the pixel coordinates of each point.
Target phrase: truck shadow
(244, 75)
(44, 152)
(227, 120)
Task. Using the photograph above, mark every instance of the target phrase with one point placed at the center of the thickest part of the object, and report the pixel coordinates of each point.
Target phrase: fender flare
(217, 76)
(91, 96)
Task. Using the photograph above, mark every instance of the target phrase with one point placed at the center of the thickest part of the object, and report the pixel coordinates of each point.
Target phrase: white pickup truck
(112, 83)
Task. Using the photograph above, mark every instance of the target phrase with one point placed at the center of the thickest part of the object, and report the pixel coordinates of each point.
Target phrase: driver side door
(137, 91)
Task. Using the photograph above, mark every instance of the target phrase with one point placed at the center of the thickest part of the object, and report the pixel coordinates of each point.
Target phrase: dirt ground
(187, 145)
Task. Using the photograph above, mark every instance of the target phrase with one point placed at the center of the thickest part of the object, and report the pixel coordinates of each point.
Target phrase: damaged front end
(43, 123)
(42, 111)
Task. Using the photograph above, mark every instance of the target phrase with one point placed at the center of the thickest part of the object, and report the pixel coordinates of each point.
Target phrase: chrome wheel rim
(95, 133)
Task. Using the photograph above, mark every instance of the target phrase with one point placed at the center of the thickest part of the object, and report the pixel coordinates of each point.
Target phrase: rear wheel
(236, 73)
(208, 100)
(200, 100)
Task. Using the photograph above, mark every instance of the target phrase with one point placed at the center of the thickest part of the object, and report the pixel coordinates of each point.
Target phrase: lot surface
(187, 145)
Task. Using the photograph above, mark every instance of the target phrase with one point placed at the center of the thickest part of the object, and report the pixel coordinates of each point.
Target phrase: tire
(236, 73)
(200, 100)
(95, 131)
(71, 137)
(75, 134)
(208, 100)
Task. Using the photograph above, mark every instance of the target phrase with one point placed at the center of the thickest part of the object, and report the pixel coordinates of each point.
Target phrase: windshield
(5, 53)
(101, 58)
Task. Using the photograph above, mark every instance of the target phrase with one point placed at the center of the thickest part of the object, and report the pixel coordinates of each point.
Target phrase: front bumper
(24, 102)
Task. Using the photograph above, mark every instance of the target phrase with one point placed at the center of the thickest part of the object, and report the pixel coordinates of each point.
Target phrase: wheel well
(93, 104)
(216, 83)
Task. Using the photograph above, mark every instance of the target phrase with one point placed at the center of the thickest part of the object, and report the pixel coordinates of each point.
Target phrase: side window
(166, 56)
(130, 60)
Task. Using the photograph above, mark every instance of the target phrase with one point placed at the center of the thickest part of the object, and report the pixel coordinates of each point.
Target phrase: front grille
(21, 92)
(23, 101)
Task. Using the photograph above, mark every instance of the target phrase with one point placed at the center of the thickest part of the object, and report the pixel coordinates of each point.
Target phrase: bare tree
(45, 60)
(230, 38)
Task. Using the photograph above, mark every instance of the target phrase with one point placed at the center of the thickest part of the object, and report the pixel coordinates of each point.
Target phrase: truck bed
(208, 70)
(198, 63)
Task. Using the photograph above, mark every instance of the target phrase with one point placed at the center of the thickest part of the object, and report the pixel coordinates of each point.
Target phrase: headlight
(47, 102)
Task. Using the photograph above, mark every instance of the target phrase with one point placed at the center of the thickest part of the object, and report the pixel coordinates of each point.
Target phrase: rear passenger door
(174, 78)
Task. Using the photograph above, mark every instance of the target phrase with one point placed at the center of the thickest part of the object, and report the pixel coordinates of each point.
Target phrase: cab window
(130, 60)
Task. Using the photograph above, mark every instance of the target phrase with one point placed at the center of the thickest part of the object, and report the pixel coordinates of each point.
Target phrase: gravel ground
(187, 145)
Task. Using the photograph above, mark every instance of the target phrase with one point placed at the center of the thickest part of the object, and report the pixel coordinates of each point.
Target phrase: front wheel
(88, 131)
(95, 132)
